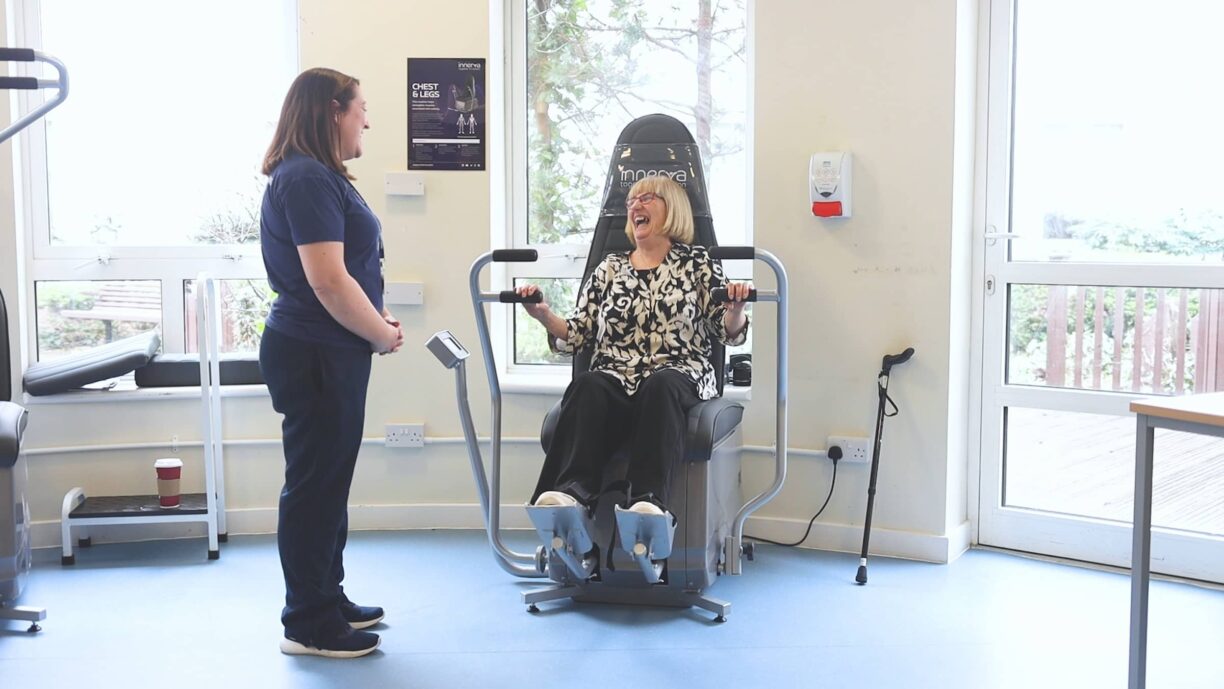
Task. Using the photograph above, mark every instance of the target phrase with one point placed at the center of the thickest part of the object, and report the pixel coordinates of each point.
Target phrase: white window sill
(139, 395)
(529, 384)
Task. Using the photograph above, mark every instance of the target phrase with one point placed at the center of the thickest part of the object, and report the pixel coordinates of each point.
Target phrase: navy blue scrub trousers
(321, 391)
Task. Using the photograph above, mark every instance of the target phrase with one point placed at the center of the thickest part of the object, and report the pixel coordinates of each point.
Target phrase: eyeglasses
(640, 198)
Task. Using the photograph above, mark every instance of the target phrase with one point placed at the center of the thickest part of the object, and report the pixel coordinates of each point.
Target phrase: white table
(1191, 414)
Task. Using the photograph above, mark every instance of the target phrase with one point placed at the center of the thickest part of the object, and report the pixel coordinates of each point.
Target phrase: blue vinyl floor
(158, 614)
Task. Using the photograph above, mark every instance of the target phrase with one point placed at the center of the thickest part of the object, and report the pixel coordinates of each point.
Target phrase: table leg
(1141, 555)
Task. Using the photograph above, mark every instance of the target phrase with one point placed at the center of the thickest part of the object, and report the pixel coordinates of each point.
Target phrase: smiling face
(647, 213)
(658, 207)
(352, 124)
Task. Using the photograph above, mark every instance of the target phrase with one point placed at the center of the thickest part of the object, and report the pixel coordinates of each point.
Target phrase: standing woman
(322, 247)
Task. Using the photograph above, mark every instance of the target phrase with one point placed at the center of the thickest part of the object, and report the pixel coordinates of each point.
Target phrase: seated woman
(650, 315)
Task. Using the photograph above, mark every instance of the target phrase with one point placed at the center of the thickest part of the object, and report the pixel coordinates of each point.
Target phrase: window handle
(103, 258)
(992, 235)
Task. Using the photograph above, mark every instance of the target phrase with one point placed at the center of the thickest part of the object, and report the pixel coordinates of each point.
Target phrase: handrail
(32, 84)
(734, 544)
(518, 564)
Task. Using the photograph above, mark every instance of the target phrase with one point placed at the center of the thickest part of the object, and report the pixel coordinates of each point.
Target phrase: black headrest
(655, 146)
(650, 146)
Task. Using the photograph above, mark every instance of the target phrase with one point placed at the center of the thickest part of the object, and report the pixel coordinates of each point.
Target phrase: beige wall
(876, 77)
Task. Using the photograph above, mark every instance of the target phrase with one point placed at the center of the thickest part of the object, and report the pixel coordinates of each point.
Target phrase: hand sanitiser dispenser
(829, 184)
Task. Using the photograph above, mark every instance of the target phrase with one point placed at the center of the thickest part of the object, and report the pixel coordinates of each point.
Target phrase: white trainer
(555, 498)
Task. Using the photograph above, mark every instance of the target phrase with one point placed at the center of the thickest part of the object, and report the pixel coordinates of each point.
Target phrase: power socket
(405, 435)
(855, 450)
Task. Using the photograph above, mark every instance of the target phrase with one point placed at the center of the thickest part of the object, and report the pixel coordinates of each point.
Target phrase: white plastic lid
(168, 463)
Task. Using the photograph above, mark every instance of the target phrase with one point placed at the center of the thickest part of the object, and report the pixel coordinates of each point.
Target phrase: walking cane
(890, 360)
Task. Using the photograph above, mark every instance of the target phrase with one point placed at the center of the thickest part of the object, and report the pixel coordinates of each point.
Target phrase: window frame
(509, 193)
(172, 265)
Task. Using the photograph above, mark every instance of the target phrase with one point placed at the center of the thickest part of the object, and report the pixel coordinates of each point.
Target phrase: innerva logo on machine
(632, 175)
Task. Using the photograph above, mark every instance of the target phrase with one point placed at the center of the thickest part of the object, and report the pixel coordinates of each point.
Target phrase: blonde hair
(306, 124)
(678, 225)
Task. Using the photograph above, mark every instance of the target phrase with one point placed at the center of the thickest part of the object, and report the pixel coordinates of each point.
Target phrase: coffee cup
(169, 471)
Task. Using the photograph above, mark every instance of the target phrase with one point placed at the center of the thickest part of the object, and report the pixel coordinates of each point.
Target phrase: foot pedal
(566, 531)
(647, 538)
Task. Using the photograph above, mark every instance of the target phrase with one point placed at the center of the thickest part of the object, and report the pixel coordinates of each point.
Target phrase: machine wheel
(214, 554)
(532, 608)
(69, 560)
(720, 619)
(34, 628)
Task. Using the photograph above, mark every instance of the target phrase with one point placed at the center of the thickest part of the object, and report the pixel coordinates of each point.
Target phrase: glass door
(1104, 275)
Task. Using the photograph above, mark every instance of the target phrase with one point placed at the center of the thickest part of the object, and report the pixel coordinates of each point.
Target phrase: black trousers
(597, 417)
(321, 391)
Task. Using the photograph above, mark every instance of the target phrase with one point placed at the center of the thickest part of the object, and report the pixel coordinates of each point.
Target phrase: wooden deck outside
(1084, 464)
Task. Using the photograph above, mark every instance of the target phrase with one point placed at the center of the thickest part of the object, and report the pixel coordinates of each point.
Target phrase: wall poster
(446, 113)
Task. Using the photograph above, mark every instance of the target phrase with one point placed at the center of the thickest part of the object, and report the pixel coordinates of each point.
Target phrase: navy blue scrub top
(307, 202)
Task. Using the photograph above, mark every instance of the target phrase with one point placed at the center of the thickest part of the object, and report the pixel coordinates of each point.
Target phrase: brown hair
(307, 124)
(679, 222)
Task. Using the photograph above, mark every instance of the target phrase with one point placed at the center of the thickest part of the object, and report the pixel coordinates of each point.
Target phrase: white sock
(645, 507)
(555, 498)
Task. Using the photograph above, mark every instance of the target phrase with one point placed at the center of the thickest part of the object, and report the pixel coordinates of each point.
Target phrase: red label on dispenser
(827, 209)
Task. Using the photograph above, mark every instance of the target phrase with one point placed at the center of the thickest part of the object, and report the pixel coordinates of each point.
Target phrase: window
(149, 173)
(580, 70)
(244, 305)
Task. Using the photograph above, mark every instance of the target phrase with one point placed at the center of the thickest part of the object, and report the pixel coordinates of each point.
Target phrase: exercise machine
(609, 554)
(15, 550)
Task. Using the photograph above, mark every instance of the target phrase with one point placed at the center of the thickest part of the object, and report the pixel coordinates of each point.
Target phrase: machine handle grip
(891, 360)
(19, 83)
(509, 296)
(720, 295)
(16, 54)
(733, 252)
(515, 255)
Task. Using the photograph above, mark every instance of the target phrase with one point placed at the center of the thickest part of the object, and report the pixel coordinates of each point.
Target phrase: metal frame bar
(734, 544)
(1141, 549)
(208, 333)
(518, 564)
(60, 83)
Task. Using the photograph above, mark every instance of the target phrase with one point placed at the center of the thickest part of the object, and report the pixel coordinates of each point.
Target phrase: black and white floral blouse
(643, 321)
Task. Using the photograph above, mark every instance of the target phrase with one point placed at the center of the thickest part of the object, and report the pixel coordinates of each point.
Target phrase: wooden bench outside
(129, 301)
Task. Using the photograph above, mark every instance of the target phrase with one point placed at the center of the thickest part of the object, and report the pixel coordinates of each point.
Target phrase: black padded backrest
(651, 145)
(6, 372)
(110, 360)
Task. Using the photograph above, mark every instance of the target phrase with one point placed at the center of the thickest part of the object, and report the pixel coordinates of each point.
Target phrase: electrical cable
(835, 450)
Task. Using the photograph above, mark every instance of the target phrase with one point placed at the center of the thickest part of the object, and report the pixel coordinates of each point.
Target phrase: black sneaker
(351, 644)
(360, 616)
